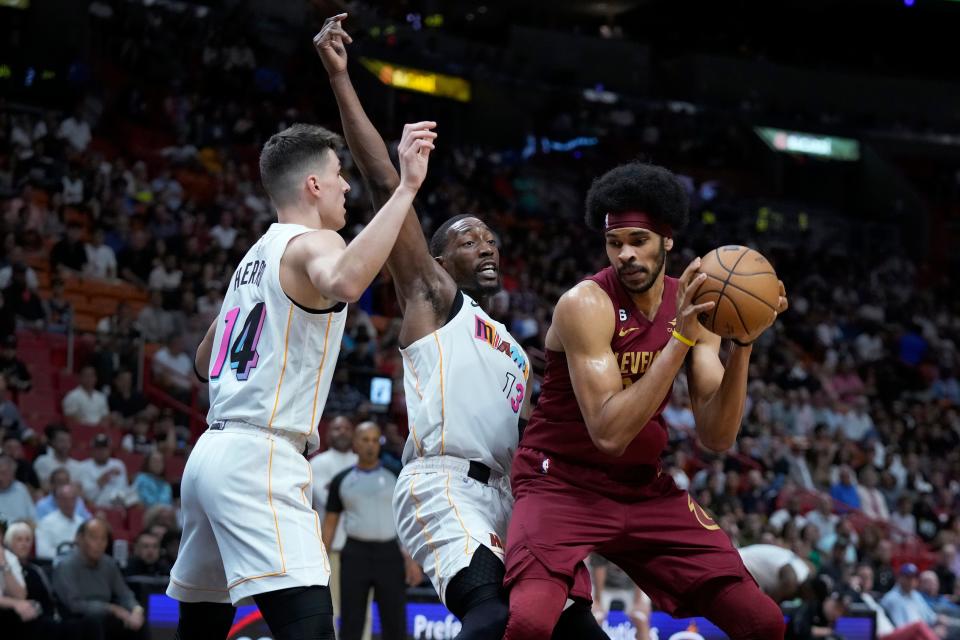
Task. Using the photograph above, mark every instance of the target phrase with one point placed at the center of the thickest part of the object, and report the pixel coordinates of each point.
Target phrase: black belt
(479, 472)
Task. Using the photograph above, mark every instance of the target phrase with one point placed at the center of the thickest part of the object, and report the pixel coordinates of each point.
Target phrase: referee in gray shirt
(371, 557)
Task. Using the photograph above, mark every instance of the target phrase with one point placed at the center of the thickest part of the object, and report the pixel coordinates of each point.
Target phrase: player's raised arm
(343, 272)
(584, 323)
(417, 274)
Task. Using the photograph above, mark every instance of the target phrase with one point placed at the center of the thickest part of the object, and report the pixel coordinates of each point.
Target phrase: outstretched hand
(331, 43)
(414, 150)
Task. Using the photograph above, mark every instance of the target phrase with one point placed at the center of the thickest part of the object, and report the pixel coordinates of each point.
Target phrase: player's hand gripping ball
(746, 290)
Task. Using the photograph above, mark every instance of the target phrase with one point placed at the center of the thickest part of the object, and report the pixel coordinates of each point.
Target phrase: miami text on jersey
(488, 333)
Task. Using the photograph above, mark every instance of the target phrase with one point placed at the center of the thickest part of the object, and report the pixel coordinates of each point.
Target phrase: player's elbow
(717, 444)
(341, 289)
(609, 445)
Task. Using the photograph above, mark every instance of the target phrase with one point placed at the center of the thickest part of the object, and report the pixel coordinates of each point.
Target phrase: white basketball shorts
(443, 516)
(248, 523)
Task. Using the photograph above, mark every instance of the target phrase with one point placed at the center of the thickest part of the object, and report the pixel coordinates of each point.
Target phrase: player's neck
(301, 214)
(369, 465)
(648, 302)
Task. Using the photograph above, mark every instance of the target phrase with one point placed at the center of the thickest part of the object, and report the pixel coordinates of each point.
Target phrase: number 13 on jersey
(514, 391)
(243, 352)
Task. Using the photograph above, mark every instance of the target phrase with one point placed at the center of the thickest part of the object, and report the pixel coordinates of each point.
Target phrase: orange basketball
(744, 287)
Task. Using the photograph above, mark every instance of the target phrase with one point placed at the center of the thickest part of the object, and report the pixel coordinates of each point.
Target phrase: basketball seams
(733, 269)
(741, 289)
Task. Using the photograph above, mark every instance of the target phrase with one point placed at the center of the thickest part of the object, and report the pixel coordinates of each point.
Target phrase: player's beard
(644, 286)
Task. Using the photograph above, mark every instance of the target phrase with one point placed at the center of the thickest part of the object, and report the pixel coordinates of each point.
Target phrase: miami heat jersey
(465, 384)
(272, 360)
(557, 427)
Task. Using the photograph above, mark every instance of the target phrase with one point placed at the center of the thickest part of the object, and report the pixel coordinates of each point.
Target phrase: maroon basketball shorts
(654, 531)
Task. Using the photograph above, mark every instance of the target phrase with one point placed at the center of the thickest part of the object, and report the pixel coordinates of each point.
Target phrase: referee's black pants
(378, 565)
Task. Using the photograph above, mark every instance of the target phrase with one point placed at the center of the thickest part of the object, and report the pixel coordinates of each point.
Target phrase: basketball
(744, 287)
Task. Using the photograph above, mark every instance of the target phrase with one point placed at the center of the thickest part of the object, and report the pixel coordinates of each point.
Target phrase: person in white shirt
(166, 275)
(105, 482)
(76, 131)
(224, 233)
(871, 500)
(15, 500)
(101, 260)
(823, 516)
(172, 366)
(6, 273)
(155, 322)
(58, 456)
(338, 456)
(86, 404)
(60, 526)
(779, 572)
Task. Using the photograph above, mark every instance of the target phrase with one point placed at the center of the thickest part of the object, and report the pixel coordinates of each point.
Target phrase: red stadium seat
(133, 462)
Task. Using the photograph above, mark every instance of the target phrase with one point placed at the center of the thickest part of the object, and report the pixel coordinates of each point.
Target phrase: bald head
(366, 442)
(929, 583)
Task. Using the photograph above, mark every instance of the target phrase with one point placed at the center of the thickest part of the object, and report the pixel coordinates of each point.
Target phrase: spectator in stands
(170, 545)
(101, 260)
(224, 233)
(75, 130)
(125, 401)
(8, 318)
(11, 422)
(611, 584)
(15, 608)
(48, 504)
(929, 587)
(90, 585)
(844, 490)
(871, 499)
(58, 309)
(155, 322)
(823, 517)
(70, 252)
(818, 613)
(140, 439)
(121, 324)
(173, 369)
(49, 623)
(150, 483)
(16, 503)
(59, 443)
(146, 560)
(12, 368)
(789, 513)
(105, 481)
(86, 404)
(14, 258)
(60, 527)
(906, 606)
(903, 521)
(946, 559)
(862, 585)
(13, 447)
(136, 260)
(21, 301)
(166, 275)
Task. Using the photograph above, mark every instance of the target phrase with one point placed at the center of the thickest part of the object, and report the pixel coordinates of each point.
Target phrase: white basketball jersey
(272, 360)
(465, 384)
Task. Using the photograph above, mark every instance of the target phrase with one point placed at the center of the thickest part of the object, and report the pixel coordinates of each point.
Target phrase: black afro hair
(638, 187)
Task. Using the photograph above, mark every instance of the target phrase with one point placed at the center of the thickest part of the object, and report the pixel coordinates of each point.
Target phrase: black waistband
(372, 543)
(479, 472)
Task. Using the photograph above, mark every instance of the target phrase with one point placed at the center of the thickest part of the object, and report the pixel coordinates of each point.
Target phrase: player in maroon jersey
(587, 475)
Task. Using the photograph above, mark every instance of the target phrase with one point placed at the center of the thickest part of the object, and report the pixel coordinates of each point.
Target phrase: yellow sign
(429, 82)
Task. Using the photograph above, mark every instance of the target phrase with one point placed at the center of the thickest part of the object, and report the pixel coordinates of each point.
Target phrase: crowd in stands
(848, 453)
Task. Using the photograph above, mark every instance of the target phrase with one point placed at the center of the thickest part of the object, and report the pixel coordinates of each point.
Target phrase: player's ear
(313, 185)
(668, 243)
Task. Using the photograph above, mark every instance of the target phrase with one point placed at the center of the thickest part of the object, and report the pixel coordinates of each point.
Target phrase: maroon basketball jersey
(557, 428)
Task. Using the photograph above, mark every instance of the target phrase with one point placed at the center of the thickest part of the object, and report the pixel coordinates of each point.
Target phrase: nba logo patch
(545, 466)
(218, 425)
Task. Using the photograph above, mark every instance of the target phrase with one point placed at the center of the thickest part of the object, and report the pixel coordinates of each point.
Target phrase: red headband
(636, 219)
